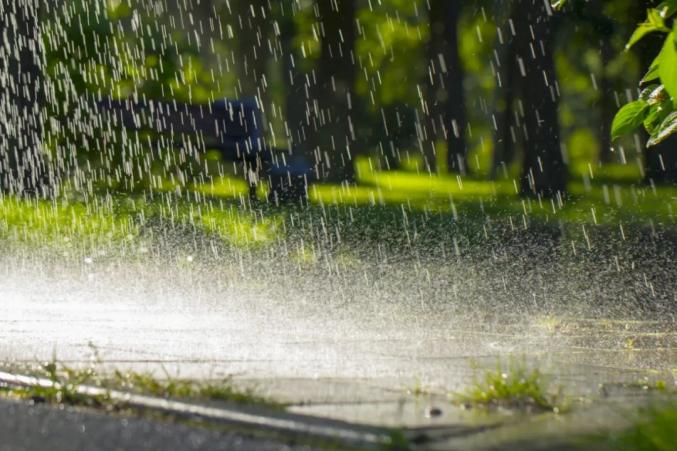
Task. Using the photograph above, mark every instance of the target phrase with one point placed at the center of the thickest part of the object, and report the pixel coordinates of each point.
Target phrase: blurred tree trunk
(295, 83)
(446, 99)
(22, 163)
(543, 170)
(505, 133)
(252, 33)
(334, 93)
(607, 108)
(604, 29)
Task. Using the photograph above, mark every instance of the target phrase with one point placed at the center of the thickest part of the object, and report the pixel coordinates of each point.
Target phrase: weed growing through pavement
(65, 382)
(512, 386)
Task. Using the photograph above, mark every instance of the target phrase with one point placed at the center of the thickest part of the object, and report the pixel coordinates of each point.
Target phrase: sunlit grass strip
(619, 173)
(621, 202)
(432, 185)
(66, 225)
(234, 226)
(229, 187)
(595, 203)
(581, 208)
(609, 196)
(223, 187)
(378, 196)
(239, 228)
(48, 223)
(441, 185)
(512, 387)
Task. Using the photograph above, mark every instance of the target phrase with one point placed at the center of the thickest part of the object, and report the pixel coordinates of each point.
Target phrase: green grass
(228, 186)
(613, 193)
(512, 386)
(66, 381)
(207, 390)
(656, 430)
(610, 195)
(119, 222)
(597, 195)
(62, 392)
(43, 223)
(237, 229)
(397, 441)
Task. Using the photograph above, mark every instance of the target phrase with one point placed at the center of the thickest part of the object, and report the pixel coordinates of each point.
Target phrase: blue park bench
(232, 127)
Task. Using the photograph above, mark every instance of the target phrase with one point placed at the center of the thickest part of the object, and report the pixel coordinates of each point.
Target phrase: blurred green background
(428, 104)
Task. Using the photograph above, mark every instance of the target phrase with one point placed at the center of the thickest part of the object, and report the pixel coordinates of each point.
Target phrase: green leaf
(628, 118)
(667, 69)
(667, 8)
(559, 5)
(654, 116)
(654, 22)
(667, 128)
(652, 73)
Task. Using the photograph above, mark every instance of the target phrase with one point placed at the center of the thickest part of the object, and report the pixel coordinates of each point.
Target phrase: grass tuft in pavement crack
(63, 390)
(512, 386)
(206, 390)
(66, 380)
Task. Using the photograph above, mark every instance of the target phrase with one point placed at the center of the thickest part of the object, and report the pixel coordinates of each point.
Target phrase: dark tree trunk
(22, 163)
(505, 132)
(607, 107)
(446, 102)
(252, 36)
(543, 169)
(297, 91)
(604, 28)
(332, 113)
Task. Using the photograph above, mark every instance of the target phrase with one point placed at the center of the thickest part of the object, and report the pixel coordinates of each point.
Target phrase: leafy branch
(656, 108)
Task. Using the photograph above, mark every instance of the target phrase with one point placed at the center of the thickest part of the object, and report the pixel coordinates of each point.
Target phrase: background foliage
(197, 52)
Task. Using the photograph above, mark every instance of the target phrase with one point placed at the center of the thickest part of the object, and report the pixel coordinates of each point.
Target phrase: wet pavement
(377, 363)
(35, 428)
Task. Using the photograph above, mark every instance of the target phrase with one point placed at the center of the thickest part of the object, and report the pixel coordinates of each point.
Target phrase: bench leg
(251, 171)
(288, 188)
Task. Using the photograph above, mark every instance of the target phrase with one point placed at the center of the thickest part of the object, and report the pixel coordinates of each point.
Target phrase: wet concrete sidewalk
(376, 363)
(358, 372)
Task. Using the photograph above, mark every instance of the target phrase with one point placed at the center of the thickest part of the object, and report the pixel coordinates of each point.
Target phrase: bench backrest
(234, 127)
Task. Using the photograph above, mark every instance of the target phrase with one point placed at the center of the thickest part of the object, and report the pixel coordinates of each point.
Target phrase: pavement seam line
(215, 414)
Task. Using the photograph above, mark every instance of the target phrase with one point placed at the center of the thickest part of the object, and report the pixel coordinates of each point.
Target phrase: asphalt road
(25, 427)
